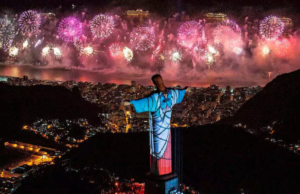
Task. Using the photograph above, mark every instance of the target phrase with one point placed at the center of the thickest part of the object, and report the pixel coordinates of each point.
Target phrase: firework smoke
(192, 50)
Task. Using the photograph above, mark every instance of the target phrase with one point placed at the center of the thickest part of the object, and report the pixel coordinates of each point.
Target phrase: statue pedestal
(166, 184)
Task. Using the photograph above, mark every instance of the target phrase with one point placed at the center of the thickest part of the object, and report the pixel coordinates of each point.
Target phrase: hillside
(278, 102)
(216, 159)
(21, 105)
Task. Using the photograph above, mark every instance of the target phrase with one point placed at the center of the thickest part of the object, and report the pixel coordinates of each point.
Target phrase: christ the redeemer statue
(159, 105)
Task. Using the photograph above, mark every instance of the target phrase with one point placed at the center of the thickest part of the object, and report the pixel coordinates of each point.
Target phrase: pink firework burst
(189, 33)
(232, 25)
(281, 47)
(142, 38)
(271, 27)
(199, 49)
(29, 21)
(69, 29)
(80, 42)
(156, 52)
(227, 32)
(159, 55)
(86, 49)
(115, 49)
(102, 26)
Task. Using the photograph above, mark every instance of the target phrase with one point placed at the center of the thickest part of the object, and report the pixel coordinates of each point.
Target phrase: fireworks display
(199, 50)
(51, 48)
(25, 44)
(189, 33)
(265, 50)
(29, 21)
(155, 42)
(281, 47)
(13, 51)
(237, 50)
(7, 33)
(271, 27)
(102, 26)
(156, 52)
(232, 25)
(210, 56)
(69, 29)
(87, 51)
(115, 49)
(142, 38)
(57, 53)
(161, 57)
(38, 43)
(45, 51)
(176, 56)
(128, 54)
(212, 50)
(227, 33)
(80, 42)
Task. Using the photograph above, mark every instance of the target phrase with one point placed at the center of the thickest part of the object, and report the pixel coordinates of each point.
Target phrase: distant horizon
(79, 75)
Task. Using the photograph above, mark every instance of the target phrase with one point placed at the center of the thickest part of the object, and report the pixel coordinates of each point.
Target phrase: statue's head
(157, 81)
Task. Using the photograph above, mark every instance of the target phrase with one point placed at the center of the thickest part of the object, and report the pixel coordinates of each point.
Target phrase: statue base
(166, 184)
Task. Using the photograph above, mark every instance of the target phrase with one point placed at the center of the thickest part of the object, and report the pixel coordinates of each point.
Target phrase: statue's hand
(187, 89)
(124, 104)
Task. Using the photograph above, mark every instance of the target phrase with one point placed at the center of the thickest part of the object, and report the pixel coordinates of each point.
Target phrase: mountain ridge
(277, 102)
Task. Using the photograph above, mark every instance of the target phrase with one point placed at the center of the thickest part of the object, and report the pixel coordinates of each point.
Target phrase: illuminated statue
(159, 105)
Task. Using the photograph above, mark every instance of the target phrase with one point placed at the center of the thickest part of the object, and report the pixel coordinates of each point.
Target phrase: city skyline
(204, 105)
(58, 74)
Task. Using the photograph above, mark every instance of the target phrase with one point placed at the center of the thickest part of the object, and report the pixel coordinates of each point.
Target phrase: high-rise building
(133, 83)
(231, 97)
(25, 78)
(228, 88)
(214, 87)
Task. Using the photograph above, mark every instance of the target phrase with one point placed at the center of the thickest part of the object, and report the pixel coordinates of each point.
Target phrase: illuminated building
(138, 13)
(215, 17)
(37, 150)
(288, 24)
(287, 21)
(3, 79)
(231, 97)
